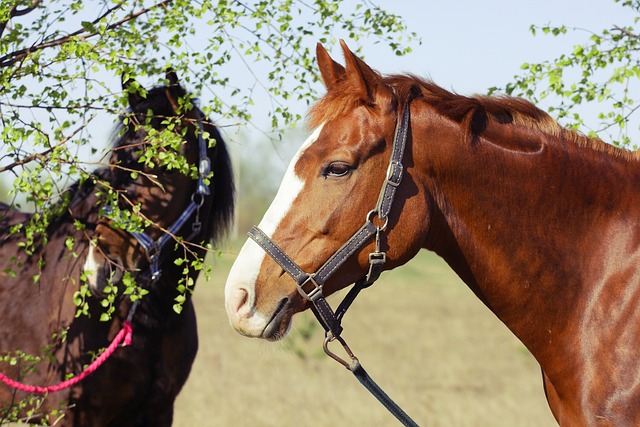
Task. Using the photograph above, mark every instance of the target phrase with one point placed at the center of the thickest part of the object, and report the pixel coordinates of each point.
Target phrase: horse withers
(182, 211)
(537, 220)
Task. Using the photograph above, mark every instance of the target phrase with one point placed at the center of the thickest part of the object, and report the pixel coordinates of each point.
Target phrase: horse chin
(280, 323)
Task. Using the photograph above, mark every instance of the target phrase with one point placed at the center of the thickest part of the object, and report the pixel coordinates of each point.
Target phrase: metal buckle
(394, 173)
(107, 210)
(376, 262)
(377, 258)
(204, 168)
(153, 252)
(202, 187)
(315, 293)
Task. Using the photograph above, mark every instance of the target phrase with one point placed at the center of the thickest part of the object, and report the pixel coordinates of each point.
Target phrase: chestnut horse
(138, 384)
(537, 220)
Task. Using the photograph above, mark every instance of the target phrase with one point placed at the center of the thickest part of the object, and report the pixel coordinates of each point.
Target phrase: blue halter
(153, 248)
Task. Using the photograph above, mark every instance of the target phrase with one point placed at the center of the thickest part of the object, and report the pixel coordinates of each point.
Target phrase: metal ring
(200, 198)
(373, 213)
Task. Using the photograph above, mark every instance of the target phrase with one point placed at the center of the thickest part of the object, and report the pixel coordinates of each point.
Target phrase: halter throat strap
(310, 285)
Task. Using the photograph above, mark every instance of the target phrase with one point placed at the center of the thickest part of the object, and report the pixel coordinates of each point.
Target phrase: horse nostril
(241, 303)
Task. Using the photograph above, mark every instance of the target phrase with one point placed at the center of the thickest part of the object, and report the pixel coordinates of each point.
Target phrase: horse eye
(336, 169)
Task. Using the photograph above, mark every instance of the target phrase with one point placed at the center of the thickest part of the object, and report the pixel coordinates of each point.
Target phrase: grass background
(419, 332)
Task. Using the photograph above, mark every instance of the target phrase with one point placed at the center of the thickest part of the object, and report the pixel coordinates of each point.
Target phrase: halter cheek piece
(310, 285)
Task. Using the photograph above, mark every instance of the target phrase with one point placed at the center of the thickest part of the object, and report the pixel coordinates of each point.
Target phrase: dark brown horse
(538, 221)
(137, 386)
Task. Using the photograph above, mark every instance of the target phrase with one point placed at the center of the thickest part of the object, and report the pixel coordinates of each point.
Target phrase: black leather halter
(310, 285)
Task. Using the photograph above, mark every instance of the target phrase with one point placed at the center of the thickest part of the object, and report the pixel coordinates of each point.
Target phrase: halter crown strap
(395, 169)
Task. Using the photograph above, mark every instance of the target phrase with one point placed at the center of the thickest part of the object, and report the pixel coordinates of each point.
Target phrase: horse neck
(519, 227)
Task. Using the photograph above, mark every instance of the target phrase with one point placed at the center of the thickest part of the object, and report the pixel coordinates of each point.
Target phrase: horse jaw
(274, 320)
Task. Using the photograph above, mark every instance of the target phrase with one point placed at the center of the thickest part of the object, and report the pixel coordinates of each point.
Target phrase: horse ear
(330, 70)
(172, 77)
(131, 86)
(363, 79)
(170, 90)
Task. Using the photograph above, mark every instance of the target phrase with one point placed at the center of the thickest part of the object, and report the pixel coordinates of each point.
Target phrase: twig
(43, 154)
(627, 32)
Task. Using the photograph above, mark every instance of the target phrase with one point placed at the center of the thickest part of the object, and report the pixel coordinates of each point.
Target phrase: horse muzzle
(271, 325)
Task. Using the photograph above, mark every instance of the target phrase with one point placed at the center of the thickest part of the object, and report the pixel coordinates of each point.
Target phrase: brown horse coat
(538, 221)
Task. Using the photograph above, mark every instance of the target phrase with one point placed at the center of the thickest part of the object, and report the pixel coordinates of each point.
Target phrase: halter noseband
(310, 285)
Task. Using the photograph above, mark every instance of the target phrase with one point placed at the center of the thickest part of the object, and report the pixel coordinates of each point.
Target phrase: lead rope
(331, 320)
(365, 379)
(123, 337)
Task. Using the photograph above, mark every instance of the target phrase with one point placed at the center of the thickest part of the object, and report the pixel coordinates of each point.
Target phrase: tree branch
(18, 12)
(46, 152)
(18, 55)
(627, 32)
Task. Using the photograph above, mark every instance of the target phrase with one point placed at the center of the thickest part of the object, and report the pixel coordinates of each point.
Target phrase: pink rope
(124, 337)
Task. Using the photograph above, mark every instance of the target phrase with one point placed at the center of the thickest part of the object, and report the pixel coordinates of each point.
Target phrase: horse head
(155, 167)
(327, 194)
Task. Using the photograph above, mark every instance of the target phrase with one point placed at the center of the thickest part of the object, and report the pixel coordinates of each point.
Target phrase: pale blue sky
(471, 45)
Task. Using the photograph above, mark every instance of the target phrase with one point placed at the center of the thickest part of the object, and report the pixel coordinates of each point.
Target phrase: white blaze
(245, 269)
(91, 267)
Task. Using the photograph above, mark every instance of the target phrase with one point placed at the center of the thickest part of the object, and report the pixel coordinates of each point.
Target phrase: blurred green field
(419, 332)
